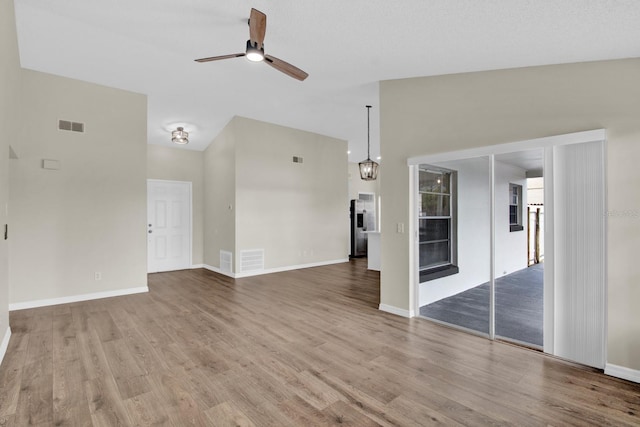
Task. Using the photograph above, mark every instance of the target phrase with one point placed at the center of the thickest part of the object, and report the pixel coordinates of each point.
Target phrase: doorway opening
(503, 281)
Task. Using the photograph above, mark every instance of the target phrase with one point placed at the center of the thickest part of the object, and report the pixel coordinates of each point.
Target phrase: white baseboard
(194, 266)
(622, 372)
(274, 270)
(76, 298)
(395, 310)
(5, 344)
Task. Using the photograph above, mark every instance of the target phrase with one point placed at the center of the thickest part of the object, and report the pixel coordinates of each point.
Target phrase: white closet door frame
(547, 144)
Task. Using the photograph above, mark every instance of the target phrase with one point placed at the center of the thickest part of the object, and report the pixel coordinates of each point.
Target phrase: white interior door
(168, 225)
(579, 253)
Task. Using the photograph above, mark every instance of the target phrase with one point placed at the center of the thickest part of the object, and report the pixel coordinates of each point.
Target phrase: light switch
(400, 227)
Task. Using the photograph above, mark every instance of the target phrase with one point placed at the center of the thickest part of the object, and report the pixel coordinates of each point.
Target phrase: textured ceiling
(148, 46)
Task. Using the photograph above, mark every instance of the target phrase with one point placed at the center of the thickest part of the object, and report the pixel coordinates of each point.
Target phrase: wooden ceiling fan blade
(285, 67)
(257, 27)
(217, 58)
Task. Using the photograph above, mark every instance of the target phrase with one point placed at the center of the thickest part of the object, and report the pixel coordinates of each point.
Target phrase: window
(515, 207)
(436, 223)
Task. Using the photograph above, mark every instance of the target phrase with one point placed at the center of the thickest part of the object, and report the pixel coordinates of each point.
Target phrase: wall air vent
(297, 159)
(252, 260)
(226, 261)
(70, 126)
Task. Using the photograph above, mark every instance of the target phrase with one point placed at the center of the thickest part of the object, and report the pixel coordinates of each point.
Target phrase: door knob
(150, 231)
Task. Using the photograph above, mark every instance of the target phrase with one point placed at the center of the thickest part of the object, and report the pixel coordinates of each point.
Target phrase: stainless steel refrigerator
(360, 221)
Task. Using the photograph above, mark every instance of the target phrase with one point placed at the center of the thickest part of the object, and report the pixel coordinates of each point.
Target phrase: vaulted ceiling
(347, 47)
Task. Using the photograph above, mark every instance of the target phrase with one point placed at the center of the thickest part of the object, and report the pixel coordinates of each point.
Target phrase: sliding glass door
(473, 245)
(454, 243)
(519, 287)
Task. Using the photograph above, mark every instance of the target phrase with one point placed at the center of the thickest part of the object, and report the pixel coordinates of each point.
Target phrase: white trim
(622, 372)
(274, 270)
(549, 297)
(605, 174)
(395, 310)
(76, 298)
(195, 266)
(5, 343)
(530, 144)
(492, 247)
(414, 242)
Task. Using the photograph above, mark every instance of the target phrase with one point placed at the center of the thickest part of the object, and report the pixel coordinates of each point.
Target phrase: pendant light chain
(368, 131)
(368, 168)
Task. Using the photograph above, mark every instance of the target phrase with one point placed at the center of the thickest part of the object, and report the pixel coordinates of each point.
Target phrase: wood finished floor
(300, 348)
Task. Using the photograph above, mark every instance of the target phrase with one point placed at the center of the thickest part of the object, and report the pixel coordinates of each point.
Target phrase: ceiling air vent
(70, 126)
(297, 159)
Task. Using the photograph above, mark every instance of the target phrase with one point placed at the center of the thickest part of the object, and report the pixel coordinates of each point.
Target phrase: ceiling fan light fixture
(368, 168)
(180, 136)
(253, 53)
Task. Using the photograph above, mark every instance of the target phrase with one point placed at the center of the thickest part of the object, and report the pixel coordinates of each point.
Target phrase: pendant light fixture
(368, 168)
(180, 136)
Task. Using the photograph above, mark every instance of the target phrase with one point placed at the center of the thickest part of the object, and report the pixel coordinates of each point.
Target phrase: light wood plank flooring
(300, 348)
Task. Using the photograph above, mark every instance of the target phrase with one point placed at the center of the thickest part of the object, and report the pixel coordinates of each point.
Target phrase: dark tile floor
(519, 307)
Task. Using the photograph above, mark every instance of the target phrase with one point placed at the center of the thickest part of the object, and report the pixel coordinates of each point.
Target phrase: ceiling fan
(255, 48)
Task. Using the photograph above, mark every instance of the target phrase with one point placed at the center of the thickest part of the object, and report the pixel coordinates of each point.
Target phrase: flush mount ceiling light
(368, 168)
(180, 136)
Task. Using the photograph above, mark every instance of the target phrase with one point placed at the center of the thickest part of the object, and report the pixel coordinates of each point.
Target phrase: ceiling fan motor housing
(254, 53)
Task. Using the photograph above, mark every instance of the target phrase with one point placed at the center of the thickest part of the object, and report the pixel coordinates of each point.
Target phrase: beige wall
(10, 75)
(220, 196)
(439, 114)
(89, 216)
(296, 212)
(174, 164)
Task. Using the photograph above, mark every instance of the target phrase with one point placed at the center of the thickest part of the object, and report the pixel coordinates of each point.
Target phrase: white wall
(294, 211)
(431, 115)
(10, 82)
(90, 215)
(474, 201)
(174, 164)
(511, 246)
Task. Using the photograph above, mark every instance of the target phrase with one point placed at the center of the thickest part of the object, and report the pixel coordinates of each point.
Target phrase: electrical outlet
(400, 227)
(98, 275)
